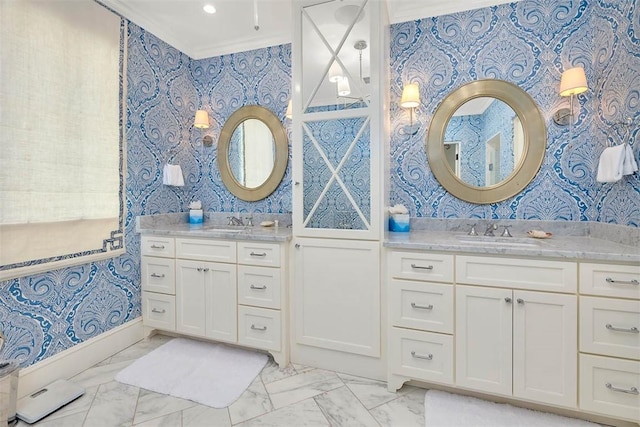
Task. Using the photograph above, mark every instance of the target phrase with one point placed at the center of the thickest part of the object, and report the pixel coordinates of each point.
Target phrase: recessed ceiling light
(209, 8)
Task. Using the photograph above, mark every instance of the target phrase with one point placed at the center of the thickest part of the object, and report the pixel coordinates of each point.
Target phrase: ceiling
(184, 25)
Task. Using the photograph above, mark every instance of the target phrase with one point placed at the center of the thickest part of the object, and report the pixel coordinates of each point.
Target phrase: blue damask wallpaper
(44, 314)
(528, 43)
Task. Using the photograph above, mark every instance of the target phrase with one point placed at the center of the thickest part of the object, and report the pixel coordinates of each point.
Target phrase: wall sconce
(289, 112)
(335, 72)
(573, 82)
(410, 99)
(202, 122)
(343, 87)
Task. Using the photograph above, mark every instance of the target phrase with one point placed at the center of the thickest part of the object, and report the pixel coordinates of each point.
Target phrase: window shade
(60, 115)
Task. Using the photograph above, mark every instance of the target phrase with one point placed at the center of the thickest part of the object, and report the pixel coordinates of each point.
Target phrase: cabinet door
(337, 295)
(545, 346)
(221, 299)
(190, 297)
(483, 339)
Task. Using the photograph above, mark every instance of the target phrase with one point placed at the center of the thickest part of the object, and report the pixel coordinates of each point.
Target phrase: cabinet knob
(297, 246)
(199, 269)
(507, 300)
(520, 301)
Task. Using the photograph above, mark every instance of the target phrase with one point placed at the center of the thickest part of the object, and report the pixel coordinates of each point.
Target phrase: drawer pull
(155, 310)
(632, 390)
(258, 288)
(420, 356)
(419, 267)
(258, 328)
(423, 307)
(624, 282)
(199, 269)
(507, 300)
(632, 330)
(157, 246)
(258, 254)
(520, 301)
(205, 269)
(161, 276)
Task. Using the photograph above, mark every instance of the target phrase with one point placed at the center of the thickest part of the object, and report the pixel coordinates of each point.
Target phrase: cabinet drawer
(259, 327)
(426, 306)
(621, 281)
(259, 286)
(610, 386)
(158, 246)
(258, 253)
(159, 311)
(158, 275)
(610, 327)
(206, 250)
(517, 273)
(421, 266)
(421, 355)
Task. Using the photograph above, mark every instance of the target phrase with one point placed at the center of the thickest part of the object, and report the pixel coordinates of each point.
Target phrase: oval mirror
(486, 141)
(253, 152)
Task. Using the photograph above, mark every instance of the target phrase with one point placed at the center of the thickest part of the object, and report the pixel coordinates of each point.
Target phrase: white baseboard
(80, 357)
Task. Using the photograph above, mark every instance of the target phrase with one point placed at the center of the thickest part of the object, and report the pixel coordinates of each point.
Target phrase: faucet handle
(249, 221)
(230, 218)
(506, 233)
(473, 231)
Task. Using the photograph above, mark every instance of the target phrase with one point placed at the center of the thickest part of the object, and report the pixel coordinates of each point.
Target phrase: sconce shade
(410, 96)
(573, 82)
(335, 72)
(202, 119)
(289, 112)
(343, 87)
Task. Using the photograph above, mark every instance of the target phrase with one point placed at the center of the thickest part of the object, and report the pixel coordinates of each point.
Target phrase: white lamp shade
(289, 112)
(573, 82)
(410, 96)
(202, 119)
(343, 87)
(335, 72)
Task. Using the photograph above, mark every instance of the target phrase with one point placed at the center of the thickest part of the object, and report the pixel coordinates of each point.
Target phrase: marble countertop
(563, 244)
(214, 227)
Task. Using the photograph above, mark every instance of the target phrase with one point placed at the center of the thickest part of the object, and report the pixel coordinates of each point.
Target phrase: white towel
(611, 163)
(172, 175)
(629, 165)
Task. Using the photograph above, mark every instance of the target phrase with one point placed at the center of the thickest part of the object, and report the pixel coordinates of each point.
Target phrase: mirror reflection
(483, 141)
(336, 55)
(252, 153)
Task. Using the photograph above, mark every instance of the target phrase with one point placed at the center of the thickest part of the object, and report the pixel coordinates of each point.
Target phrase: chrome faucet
(473, 231)
(490, 228)
(235, 221)
(506, 233)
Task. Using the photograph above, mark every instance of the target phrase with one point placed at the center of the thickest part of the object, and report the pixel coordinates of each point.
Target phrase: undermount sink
(499, 241)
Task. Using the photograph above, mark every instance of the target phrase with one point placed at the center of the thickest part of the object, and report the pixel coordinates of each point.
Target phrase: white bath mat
(443, 409)
(208, 373)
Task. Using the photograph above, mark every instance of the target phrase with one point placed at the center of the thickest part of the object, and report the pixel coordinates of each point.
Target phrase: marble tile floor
(292, 396)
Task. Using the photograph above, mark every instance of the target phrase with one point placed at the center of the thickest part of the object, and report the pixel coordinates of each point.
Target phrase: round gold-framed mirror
(253, 151)
(521, 151)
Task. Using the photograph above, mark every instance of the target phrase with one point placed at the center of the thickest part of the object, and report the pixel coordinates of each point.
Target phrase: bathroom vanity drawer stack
(218, 289)
(421, 313)
(158, 282)
(260, 295)
(610, 339)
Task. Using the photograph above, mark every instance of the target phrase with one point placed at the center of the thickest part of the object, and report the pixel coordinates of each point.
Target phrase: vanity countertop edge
(580, 248)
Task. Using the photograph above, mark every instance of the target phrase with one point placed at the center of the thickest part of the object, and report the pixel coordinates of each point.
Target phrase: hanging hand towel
(610, 165)
(172, 175)
(629, 165)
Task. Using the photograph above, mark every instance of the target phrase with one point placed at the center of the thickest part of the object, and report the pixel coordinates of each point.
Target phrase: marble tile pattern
(528, 43)
(289, 396)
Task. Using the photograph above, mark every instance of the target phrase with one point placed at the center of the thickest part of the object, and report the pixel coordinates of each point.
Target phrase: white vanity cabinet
(515, 342)
(225, 290)
(420, 302)
(610, 339)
